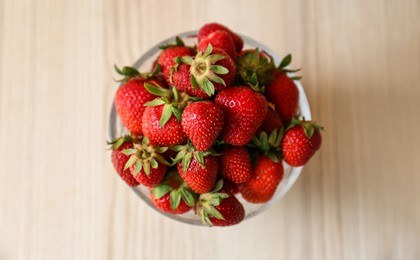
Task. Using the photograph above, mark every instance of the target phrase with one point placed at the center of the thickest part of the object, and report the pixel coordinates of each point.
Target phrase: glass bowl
(144, 64)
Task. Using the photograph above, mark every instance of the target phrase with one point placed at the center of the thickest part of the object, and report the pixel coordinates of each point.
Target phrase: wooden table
(358, 198)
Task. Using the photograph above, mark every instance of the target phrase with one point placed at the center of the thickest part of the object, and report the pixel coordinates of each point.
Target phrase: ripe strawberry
(202, 122)
(145, 163)
(181, 79)
(154, 177)
(271, 121)
(263, 184)
(283, 93)
(173, 195)
(212, 27)
(167, 56)
(220, 208)
(197, 76)
(170, 134)
(300, 142)
(219, 39)
(164, 203)
(244, 111)
(130, 98)
(235, 164)
(119, 159)
(200, 176)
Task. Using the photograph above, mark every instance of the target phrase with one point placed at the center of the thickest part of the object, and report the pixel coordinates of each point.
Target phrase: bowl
(116, 129)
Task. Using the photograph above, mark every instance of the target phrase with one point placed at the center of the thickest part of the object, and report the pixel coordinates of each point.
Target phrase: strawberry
(271, 121)
(235, 164)
(119, 159)
(283, 92)
(173, 195)
(219, 39)
(170, 57)
(131, 96)
(212, 27)
(198, 76)
(170, 134)
(200, 179)
(198, 169)
(145, 163)
(202, 122)
(181, 79)
(263, 184)
(219, 208)
(244, 111)
(300, 142)
(167, 58)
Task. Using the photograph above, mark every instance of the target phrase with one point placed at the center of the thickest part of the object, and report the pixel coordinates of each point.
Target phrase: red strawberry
(163, 203)
(202, 122)
(235, 164)
(119, 159)
(244, 111)
(263, 184)
(219, 208)
(283, 93)
(166, 58)
(129, 101)
(170, 134)
(271, 121)
(182, 81)
(146, 164)
(200, 177)
(300, 142)
(219, 39)
(212, 27)
(197, 76)
(154, 177)
(173, 195)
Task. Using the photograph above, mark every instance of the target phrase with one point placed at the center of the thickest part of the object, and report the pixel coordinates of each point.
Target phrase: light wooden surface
(357, 199)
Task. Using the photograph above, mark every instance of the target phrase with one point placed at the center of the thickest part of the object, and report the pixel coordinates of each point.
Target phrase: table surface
(358, 198)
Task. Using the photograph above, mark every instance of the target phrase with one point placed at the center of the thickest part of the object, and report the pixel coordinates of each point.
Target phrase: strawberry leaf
(166, 115)
(175, 199)
(130, 162)
(160, 190)
(187, 197)
(146, 168)
(155, 102)
(186, 161)
(286, 61)
(153, 163)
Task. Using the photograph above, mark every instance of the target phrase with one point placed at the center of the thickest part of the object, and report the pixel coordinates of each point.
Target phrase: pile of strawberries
(210, 122)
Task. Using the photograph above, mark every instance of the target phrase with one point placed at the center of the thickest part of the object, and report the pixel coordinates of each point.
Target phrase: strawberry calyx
(208, 201)
(308, 126)
(187, 152)
(173, 101)
(269, 145)
(177, 188)
(255, 69)
(203, 70)
(117, 142)
(129, 73)
(143, 156)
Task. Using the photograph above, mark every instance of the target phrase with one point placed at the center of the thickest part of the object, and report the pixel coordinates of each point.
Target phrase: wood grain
(356, 199)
